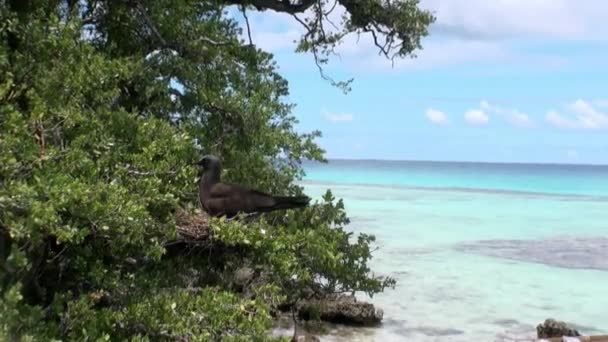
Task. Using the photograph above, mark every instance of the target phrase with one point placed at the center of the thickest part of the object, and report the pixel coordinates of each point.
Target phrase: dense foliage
(104, 105)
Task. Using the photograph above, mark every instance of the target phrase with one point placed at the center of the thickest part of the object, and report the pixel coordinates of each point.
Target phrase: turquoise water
(481, 252)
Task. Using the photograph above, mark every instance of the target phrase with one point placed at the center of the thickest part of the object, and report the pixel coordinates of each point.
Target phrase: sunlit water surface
(481, 252)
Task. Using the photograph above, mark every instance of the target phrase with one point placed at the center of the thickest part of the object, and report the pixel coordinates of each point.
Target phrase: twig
(303, 24)
(332, 8)
(244, 10)
(162, 40)
(295, 322)
(137, 173)
(315, 53)
(150, 25)
(279, 6)
(59, 254)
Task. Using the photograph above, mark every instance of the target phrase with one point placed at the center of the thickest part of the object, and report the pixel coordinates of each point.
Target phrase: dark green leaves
(104, 106)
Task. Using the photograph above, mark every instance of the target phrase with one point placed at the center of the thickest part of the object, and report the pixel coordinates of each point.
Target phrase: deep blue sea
(481, 252)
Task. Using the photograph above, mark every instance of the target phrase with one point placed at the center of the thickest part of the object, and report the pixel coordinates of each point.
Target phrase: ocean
(480, 251)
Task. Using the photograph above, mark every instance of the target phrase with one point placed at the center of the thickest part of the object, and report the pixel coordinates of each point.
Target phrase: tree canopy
(104, 107)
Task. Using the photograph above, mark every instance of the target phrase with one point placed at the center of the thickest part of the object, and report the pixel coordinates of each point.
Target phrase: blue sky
(503, 81)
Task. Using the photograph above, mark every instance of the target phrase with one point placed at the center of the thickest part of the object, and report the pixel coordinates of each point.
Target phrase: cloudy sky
(502, 80)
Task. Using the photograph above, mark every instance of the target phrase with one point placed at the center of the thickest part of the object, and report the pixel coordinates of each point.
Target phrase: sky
(495, 81)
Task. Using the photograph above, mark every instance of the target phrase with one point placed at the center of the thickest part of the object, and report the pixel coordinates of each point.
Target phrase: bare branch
(276, 5)
(320, 22)
(315, 53)
(150, 24)
(175, 46)
(332, 8)
(134, 172)
(308, 31)
(326, 14)
(376, 42)
(244, 10)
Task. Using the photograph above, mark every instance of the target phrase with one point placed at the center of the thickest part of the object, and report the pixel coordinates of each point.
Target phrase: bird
(229, 200)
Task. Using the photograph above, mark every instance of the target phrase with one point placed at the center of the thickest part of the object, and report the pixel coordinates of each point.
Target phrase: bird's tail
(288, 202)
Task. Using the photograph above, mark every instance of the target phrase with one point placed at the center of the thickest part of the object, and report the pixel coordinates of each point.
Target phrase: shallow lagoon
(478, 264)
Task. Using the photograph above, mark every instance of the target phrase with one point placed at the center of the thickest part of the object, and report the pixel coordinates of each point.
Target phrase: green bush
(104, 107)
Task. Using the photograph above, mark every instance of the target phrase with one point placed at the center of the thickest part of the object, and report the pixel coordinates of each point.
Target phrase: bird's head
(209, 162)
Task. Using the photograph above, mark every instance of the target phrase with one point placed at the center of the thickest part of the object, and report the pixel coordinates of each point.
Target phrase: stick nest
(192, 226)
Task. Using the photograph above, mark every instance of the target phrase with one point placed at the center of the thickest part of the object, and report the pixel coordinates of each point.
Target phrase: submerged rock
(563, 251)
(301, 335)
(552, 328)
(340, 309)
(306, 338)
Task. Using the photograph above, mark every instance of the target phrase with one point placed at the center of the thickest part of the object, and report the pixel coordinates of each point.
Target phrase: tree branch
(310, 31)
(137, 173)
(285, 6)
(244, 10)
(171, 45)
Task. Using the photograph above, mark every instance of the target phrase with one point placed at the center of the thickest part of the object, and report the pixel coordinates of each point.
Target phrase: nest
(193, 231)
(194, 235)
(192, 226)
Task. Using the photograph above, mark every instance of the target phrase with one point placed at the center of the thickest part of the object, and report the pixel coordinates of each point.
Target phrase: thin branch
(58, 254)
(376, 42)
(276, 5)
(212, 42)
(332, 8)
(303, 23)
(315, 50)
(328, 13)
(244, 10)
(175, 46)
(150, 24)
(134, 172)
(320, 23)
(309, 32)
(295, 321)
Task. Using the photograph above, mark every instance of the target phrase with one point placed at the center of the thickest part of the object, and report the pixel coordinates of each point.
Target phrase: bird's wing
(226, 197)
(230, 190)
(220, 190)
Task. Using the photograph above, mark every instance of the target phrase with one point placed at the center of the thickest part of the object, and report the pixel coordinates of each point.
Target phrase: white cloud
(582, 115)
(437, 117)
(472, 20)
(555, 119)
(514, 116)
(601, 103)
(504, 19)
(363, 56)
(588, 115)
(337, 117)
(463, 34)
(476, 117)
(520, 119)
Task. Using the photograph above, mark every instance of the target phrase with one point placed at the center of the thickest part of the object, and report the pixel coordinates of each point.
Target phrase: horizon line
(464, 161)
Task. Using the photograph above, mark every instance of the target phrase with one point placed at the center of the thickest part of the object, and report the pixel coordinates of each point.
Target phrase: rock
(306, 338)
(340, 309)
(242, 277)
(302, 335)
(553, 328)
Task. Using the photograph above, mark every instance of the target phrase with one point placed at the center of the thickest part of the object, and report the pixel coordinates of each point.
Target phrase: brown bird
(225, 199)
